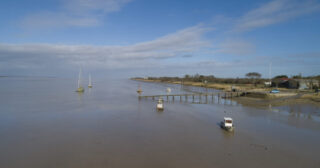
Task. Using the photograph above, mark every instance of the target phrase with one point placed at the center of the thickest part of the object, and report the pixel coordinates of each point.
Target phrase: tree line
(251, 78)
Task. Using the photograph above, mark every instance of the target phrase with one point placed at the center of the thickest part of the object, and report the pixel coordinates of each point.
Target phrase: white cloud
(89, 6)
(50, 20)
(236, 47)
(74, 13)
(173, 45)
(274, 12)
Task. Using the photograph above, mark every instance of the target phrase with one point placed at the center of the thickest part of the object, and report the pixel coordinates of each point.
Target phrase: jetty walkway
(193, 96)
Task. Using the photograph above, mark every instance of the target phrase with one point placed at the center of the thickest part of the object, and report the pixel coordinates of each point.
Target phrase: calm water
(44, 123)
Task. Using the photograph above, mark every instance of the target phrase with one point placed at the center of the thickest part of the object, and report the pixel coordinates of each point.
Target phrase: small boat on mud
(168, 90)
(274, 91)
(160, 106)
(227, 124)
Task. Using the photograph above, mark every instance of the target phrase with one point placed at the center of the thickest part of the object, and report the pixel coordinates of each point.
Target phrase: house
(285, 83)
(307, 83)
(295, 83)
(268, 84)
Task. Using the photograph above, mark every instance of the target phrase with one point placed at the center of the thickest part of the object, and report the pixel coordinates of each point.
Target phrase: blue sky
(126, 38)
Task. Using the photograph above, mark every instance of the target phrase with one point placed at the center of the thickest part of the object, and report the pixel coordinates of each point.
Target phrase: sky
(129, 38)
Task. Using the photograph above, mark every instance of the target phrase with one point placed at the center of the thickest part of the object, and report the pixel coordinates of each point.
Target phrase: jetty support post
(206, 98)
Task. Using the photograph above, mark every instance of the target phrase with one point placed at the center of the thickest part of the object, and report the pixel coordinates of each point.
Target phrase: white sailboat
(90, 84)
(80, 88)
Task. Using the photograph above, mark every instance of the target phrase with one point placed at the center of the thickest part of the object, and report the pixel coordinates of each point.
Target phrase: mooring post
(173, 98)
(186, 98)
(212, 97)
(192, 98)
(180, 97)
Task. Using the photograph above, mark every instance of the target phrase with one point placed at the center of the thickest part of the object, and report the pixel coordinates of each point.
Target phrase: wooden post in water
(206, 98)
(173, 98)
(192, 98)
(180, 97)
(200, 96)
(212, 97)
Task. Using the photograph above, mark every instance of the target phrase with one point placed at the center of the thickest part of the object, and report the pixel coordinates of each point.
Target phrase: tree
(281, 76)
(253, 75)
(186, 76)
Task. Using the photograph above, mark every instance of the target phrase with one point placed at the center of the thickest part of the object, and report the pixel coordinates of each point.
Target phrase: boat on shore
(227, 124)
(168, 90)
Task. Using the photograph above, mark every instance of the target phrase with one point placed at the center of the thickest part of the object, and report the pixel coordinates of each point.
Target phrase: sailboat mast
(79, 80)
(270, 71)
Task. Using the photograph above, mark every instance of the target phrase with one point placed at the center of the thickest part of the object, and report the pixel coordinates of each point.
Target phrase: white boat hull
(227, 128)
(160, 106)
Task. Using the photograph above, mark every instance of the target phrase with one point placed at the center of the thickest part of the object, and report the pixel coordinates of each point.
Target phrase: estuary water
(44, 123)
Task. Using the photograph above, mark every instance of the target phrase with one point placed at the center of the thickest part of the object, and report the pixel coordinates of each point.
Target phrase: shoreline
(258, 97)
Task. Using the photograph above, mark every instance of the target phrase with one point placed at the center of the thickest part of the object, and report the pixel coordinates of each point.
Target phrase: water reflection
(80, 95)
(298, 111)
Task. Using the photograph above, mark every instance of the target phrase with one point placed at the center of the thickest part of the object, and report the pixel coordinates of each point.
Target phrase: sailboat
(80, 88)
(90, 84)
(139, 91)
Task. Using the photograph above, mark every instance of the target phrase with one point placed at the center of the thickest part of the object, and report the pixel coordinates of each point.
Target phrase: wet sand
(108, 127)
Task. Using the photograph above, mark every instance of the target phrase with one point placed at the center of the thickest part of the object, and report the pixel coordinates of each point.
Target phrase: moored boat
(227, 124)
(80, 88)
(90, 84)
(139, 91)
(160, 104)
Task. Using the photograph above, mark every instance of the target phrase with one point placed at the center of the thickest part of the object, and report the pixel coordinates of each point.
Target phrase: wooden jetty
(193, 96)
